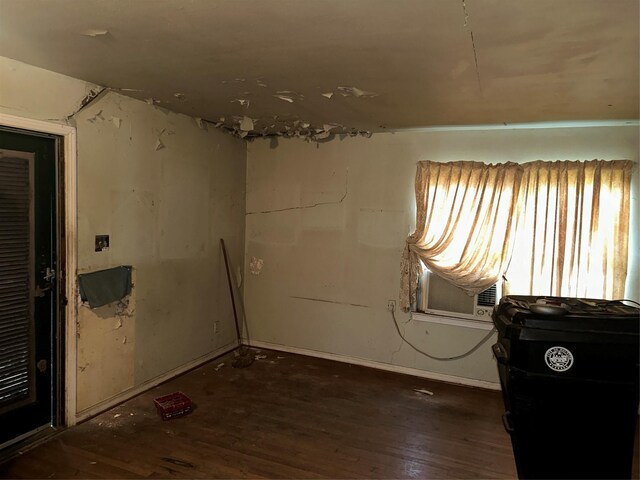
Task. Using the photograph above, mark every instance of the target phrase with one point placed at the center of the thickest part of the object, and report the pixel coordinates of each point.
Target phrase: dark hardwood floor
(287, 416)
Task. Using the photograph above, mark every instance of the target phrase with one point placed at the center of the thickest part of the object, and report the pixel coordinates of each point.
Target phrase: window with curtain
(549, 228)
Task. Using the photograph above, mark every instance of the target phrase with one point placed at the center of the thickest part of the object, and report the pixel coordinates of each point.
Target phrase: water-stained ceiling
(332, 66)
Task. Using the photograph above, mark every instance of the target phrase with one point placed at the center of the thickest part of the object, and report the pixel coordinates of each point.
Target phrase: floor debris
(260, 357)
(422, 390)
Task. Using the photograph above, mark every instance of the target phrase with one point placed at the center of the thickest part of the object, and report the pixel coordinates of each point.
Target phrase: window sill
(455, 321)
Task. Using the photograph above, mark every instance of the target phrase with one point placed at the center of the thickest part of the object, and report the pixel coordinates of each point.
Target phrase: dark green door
(28, 282)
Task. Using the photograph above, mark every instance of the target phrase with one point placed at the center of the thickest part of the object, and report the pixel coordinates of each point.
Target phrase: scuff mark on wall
(329, 301)
(303, 207)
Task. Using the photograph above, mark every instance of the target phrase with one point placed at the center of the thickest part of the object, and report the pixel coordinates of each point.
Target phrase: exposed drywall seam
(303, 207)
(330, 301)
(473, 44)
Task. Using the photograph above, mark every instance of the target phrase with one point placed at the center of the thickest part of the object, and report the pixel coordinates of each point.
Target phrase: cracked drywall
(330, 301)
(313, 205)
(326, 263)
(467, 25)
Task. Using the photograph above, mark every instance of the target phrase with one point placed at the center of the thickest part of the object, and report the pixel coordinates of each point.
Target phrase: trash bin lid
(568, 314)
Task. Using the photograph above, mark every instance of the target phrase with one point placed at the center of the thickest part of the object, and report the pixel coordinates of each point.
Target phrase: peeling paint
(246, 124)
(94, 32)
(116, 121)
(347, 91)
(245, 102)
(96, 117)
(285, 98)
(287, 128)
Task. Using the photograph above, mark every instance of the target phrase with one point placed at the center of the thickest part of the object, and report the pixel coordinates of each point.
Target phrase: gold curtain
(464, 224)
(572, 232)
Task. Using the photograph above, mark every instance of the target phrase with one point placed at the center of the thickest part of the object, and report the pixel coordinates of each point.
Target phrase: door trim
(69, 161)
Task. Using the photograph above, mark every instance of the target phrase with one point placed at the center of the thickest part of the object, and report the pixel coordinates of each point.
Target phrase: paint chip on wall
(285, 98)
(95, 32)
(246, 125)
(347, 91)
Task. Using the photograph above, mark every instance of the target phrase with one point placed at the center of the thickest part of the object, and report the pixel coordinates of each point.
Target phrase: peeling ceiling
(325, 67)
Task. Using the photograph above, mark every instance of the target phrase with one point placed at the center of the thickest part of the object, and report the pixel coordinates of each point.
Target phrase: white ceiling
(430, 62)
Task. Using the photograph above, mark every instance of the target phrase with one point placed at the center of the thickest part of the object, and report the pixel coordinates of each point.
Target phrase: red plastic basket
(173, 405)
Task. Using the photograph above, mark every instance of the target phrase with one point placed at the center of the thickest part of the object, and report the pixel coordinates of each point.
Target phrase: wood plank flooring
(287, 416)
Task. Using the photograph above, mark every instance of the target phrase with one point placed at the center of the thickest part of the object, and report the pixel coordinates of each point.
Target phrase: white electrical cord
(443, 359)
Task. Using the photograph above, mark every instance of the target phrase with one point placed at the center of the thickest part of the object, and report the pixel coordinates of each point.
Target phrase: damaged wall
(329, 223)
(165, 190)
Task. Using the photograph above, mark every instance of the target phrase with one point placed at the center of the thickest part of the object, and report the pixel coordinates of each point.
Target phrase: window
(550, 228)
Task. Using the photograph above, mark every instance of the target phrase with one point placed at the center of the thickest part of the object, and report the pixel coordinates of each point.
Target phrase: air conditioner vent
(488, 297)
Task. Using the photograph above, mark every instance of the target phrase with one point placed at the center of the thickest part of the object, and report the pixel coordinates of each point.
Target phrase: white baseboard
(469, 382)
(132, 392)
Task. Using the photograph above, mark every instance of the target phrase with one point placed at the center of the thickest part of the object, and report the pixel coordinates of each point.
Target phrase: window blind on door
(16, 281)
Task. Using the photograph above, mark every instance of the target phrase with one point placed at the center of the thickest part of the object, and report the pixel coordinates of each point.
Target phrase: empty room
(319, 239)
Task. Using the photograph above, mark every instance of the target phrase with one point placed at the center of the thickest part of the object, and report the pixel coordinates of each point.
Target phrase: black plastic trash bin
(569, 374)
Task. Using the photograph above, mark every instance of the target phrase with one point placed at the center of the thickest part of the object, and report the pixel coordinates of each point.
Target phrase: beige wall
(330, 221)
(165, 211)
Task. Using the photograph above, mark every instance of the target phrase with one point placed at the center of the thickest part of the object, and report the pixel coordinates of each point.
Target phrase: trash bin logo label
(558, 359)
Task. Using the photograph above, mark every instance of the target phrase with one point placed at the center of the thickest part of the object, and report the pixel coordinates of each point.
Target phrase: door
(28, 283)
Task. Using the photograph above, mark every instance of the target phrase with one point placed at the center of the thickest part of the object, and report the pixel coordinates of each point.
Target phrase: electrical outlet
(391, 305)
(216, 327)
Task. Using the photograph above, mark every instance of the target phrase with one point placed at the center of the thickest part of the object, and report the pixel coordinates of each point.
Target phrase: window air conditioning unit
(436, 296)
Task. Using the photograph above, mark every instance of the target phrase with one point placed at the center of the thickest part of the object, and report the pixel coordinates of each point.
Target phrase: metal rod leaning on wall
(244, 357)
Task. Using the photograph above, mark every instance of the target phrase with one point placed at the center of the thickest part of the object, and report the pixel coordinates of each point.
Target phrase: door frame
(70, 189)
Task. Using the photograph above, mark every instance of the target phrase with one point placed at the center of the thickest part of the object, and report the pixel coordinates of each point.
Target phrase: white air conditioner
(437, 296)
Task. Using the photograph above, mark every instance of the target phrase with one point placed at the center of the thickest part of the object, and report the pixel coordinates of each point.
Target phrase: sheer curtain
(572, 230)
(464, 224)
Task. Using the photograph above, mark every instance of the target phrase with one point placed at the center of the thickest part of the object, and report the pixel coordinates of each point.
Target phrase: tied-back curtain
(464, 224)
(572, 230)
